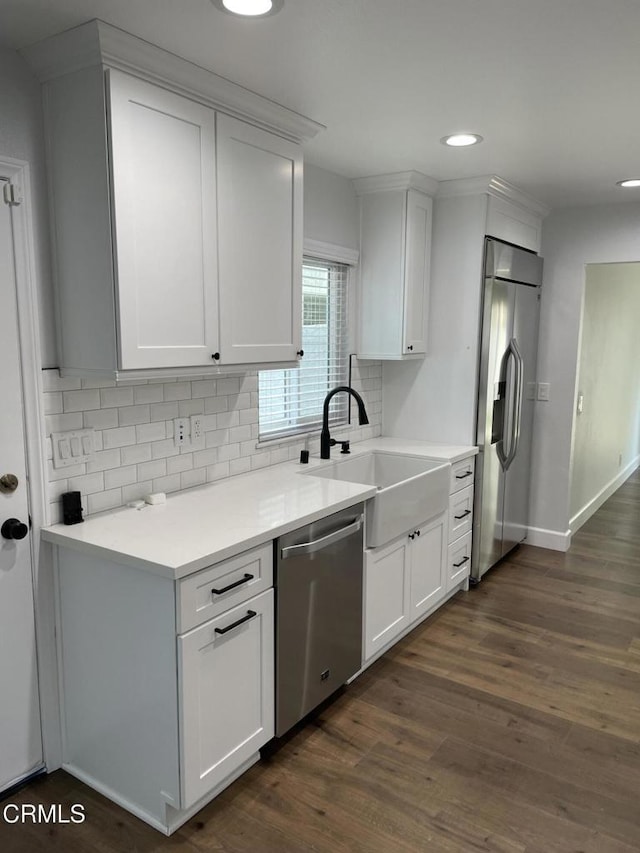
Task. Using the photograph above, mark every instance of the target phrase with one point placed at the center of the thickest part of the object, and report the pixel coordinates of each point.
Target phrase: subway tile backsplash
(133, 423)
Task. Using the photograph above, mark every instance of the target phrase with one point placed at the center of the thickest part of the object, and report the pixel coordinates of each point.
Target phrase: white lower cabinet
(428, 555)
(403, 581)
(386, 593)
(165, 702)
(460, 523)
(226, 694)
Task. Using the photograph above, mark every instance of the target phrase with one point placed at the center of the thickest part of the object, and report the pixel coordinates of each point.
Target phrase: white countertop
(204, 525)
(430, 450)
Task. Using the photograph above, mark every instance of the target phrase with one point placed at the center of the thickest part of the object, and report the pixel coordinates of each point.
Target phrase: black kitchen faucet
(326, 442)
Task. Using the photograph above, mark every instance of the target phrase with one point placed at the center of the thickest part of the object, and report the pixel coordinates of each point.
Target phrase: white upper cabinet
(417, 271)
(260, 244)
(177, 230)
(395, 255)
(164, 225)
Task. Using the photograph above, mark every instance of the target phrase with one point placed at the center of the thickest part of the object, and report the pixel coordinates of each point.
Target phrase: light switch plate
(544, 390)
(73, 447)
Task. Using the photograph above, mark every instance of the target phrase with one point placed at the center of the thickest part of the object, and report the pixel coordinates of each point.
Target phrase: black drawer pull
(250, 615)
(464, 514)
(245, 579)
(456, 565)
(462, 476)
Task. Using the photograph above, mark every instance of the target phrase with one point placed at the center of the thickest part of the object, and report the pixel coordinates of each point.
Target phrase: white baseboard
(603, 495)
(556, 540)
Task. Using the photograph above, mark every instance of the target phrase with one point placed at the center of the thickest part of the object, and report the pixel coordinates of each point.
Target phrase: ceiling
(552, 85)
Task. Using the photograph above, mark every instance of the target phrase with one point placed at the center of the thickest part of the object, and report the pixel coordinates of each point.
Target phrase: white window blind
(290, 401)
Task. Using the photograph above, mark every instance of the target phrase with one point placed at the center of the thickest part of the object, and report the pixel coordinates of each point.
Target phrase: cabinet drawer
(462, 474)
(207, 593)
(460, 513)
(459, 562)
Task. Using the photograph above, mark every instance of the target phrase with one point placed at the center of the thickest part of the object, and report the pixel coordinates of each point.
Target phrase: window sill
(304, 437)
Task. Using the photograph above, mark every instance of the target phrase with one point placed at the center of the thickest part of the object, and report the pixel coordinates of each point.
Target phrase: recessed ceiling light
(460, 140)
(249, 8)
(630, 182)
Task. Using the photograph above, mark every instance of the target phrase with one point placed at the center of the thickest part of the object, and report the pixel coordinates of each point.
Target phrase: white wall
(606, 437)
(572, 238)
(331, 213)
(21, 137)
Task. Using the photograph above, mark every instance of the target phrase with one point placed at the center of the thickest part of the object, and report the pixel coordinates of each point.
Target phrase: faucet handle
(345, 447)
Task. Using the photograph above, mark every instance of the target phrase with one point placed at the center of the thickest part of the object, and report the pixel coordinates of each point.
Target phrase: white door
(386, 594)
(164, 207)
(259, 244)
(428, 565)
(227, 694)
(20, 732)
(417, 271)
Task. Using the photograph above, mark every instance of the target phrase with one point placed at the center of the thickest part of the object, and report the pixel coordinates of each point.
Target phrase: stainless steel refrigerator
(506, 394)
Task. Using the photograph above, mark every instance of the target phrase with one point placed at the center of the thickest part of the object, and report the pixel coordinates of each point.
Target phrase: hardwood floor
(509, 721)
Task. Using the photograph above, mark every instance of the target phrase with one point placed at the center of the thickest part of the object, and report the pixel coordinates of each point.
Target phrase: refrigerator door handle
(516, 419)
(500, 411)
(515, 407)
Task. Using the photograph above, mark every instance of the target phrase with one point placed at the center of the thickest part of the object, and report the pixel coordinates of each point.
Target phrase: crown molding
(494, 186)
(396, 181)
(331, 252)
(96, 43)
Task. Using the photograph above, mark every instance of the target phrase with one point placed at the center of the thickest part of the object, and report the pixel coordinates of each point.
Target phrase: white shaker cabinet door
(417, 271)
(386, 594)
(164, 209)
(260, 244)
(428, 565)
(226, 694)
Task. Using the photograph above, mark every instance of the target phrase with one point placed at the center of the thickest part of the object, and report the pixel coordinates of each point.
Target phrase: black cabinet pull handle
(464, 514)
(410, 347)
(300, 353)
(462, 476)
(215, 356)
(250, 615)
(456, 565)
(412, 536)
(245, 579)
(417, 533)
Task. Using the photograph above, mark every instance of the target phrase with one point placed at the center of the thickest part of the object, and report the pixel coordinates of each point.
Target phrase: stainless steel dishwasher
(319, 572)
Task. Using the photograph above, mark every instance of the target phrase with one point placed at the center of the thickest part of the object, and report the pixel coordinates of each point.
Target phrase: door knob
(8, 483)
(14, 529)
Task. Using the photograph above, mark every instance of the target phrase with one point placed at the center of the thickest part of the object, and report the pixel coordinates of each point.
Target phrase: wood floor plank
(509, 722)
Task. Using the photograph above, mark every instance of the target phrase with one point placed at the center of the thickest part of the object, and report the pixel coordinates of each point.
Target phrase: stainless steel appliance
(319, 570)
(506, 393)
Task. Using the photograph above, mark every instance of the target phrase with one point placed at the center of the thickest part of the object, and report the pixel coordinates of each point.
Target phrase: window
(290, 401)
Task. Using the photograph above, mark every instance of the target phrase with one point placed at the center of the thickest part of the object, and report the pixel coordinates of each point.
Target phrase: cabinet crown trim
(396, 181)
(494, 186)
(98, 43)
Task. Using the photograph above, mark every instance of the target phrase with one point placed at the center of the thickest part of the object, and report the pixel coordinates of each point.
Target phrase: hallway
(509, 722)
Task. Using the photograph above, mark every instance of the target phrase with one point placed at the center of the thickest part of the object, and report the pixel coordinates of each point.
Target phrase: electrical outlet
(196, 427)
(197, 433)
(180, 431)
